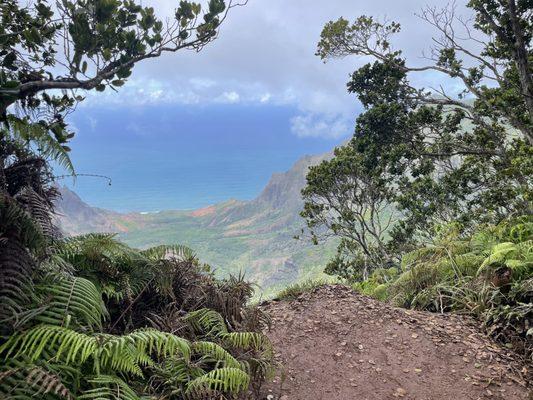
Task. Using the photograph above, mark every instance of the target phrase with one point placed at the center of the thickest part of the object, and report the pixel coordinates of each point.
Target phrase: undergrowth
(488, 274)
(91, 318)
(291, 292)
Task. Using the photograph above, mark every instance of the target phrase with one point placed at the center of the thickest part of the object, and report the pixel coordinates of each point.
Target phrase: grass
(291, 292)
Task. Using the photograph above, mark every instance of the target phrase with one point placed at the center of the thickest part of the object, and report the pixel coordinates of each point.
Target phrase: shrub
(488, 274)
(91, 318)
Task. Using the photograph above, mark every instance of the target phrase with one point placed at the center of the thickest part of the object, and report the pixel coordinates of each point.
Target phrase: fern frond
(207, 322)
(124, 353)
(39, 207)
(16, 285)
(23, 380)
(247, 340)
(36, 135)
(178, 252)
(215, 352)
(20, 224)
(221, 380)
(72, 297)
(109, 387)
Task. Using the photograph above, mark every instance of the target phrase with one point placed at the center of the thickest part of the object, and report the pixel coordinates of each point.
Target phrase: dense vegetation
(88, 317)
(431, 198)
(487, 274)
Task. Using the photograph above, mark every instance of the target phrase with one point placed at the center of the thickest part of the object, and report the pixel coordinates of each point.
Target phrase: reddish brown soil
(335, 344)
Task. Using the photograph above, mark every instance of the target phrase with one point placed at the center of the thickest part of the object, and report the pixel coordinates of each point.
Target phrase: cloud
(265, 98)
(314, 125)
(265, 55)
(229, 97)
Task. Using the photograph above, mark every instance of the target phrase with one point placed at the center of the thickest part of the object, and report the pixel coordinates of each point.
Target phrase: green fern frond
(109, 352)
(164, 344)
(221, 380)
(207, 322)
(72, 297)
(247, 340)
(179, 252)
(215, 352)
(109, 387)
(92, 247)
(37, 136)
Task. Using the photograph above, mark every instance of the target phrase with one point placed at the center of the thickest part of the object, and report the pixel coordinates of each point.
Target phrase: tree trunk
(522, 64)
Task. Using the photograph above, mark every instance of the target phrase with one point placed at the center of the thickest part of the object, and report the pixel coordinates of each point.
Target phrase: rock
(400, 392)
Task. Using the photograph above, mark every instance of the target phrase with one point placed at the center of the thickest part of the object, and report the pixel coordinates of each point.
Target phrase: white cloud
(202, 83)
(265, 98)
(229, 97)
(315, 125)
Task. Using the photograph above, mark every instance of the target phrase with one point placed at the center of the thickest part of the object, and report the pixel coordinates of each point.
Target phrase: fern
(216, 353)
(178, 252)
(207, 322)
(24, 380)
(221, 380)
(37, 136)
(517, 257)
(108, 352)
(109, 387)
(69, 297)
(247, 340)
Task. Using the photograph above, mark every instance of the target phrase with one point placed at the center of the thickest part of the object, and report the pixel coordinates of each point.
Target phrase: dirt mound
(333, 343)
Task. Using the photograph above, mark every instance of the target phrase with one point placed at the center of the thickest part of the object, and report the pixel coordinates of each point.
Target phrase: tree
(348, 199)
(443, 157)
(50, 52)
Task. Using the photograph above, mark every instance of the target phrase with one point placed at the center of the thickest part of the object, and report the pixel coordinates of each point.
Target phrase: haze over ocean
(163, 157)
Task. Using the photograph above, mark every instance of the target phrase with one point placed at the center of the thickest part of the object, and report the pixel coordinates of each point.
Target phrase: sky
(191, 129)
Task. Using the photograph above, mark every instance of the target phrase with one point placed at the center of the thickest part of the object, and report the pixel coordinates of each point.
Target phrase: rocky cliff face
(283, 191)
(74, 216)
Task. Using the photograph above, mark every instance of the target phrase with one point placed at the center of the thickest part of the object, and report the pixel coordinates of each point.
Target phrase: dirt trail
(335, 344)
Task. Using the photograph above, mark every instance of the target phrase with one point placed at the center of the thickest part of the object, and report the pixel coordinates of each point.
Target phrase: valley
(254, 237)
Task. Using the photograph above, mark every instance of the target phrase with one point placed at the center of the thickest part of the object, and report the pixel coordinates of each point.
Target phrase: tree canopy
(434, 156)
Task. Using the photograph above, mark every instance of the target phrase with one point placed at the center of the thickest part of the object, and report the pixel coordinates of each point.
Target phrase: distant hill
(76, 217)
(255, 236)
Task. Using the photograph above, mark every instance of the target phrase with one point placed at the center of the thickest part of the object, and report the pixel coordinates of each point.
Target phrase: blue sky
(191, 129)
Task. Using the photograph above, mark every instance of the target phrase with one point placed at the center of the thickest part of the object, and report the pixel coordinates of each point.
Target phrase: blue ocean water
(172, 157)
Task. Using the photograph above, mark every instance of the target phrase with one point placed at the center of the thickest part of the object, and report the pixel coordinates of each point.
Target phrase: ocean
(182, 157)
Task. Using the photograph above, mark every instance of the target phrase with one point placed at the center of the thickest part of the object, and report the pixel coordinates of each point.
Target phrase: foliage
(428, 156)
(377, 284)
(348, 199)
(488, 273)
(89, 317)
(291, 292)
